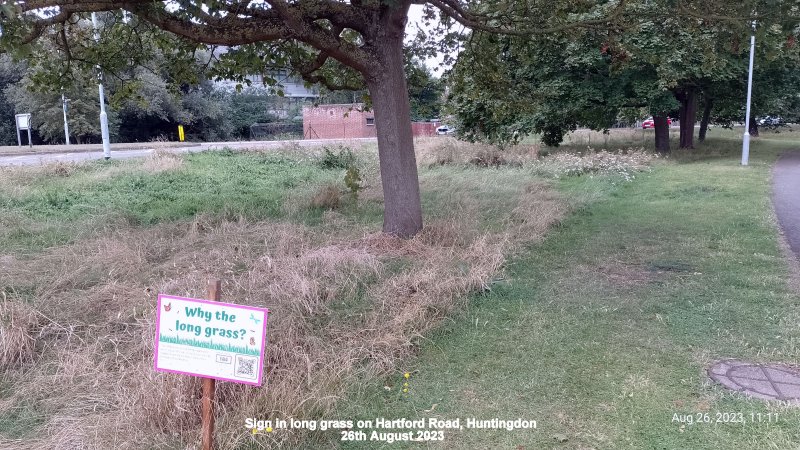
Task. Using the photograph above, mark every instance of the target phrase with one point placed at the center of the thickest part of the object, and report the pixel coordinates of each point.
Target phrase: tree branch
(232, 33)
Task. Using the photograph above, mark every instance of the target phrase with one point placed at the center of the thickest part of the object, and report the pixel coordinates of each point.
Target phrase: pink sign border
(233, 305)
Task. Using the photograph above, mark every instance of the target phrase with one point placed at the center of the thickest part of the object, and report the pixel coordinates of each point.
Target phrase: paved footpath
(53, 156)
(786, 197)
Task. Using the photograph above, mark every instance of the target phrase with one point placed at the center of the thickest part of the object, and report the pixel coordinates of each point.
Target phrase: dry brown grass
(60, 169)
(538, 209)
(441, 150)
(81, 341)
(15, 180)
(18, 327)
(327, 197)
(162, 161)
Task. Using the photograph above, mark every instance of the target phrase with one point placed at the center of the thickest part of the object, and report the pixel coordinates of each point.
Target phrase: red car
(648, 123)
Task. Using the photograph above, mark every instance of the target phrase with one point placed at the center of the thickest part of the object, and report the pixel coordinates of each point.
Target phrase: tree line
(149, 105)
(149, 112)
(661, 63)
(361, 45)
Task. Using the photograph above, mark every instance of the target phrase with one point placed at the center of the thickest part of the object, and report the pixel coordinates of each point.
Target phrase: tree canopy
(335, 43)
(664, 57)
(339, 44)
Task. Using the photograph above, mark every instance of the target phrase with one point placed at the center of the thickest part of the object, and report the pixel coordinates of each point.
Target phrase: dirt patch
(626, 274)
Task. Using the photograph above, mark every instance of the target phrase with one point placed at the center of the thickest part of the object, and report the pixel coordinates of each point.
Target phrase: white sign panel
(23, 121)
(210, 339)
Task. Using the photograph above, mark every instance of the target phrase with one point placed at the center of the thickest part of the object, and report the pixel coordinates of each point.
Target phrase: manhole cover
(764, 381)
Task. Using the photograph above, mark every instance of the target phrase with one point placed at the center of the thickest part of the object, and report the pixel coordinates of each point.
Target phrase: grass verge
(604, 332)
(86, 249)
(349, 306)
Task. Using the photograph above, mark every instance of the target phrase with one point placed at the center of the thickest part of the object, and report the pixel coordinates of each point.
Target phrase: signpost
(212, 340)
(23, 123)
(181, 135)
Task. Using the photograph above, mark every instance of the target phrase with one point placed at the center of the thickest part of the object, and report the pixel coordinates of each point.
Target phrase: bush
(352, 179)
(343, 159)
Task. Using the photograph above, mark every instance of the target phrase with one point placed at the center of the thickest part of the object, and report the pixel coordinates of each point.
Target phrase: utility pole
(746, 137)
(103, 115)
(65, 106)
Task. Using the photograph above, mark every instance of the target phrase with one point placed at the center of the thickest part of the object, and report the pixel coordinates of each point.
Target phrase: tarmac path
(786, 197)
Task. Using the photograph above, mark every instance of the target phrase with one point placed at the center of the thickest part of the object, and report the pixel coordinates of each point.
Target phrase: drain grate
(764, 381)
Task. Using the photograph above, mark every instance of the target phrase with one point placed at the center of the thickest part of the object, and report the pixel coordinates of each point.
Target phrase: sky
(414, 24)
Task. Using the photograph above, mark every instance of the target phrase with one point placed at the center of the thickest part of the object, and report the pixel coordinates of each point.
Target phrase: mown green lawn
(603, 332)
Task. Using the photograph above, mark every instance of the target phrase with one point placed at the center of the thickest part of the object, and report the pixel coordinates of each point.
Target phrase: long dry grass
(77, 328)
(435, 151)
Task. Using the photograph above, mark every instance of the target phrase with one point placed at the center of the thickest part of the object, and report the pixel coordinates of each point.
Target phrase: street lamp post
(103, 115)
(746, 137)
(64, 106)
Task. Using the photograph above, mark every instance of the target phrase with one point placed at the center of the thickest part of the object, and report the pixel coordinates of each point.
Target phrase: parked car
(445, 129)
(770, 121)
(649, 123)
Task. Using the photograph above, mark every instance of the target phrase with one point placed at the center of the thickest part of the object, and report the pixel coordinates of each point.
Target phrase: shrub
(352, 179)
(342, 159)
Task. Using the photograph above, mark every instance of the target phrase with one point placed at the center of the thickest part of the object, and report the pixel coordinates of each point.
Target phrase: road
(786, 197)
(50, 157)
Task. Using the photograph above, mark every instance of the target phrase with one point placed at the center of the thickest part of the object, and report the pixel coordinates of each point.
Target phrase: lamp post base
(746, 148)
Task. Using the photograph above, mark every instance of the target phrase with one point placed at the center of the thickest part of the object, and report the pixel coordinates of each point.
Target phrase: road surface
(50, 157)
(786, 197)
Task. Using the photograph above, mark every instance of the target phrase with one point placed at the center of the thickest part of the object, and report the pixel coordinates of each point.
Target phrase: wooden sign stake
(214, 287)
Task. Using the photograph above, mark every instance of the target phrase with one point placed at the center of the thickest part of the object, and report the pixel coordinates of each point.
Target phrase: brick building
(338, 122)
(347, 121)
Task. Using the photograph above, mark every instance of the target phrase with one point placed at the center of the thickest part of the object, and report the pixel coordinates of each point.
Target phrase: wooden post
(214, 287)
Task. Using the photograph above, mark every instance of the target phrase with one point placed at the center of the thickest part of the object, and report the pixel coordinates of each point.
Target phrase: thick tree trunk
(753, 128)
(387, 86)
(707, 105)
(662, 133)
(688, 116)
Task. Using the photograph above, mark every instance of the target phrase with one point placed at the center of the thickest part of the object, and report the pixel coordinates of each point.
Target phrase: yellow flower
(269, 429)
(406, 375)
(405, 390)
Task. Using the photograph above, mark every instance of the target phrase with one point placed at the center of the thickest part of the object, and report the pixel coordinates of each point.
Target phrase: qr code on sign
(246, 367)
